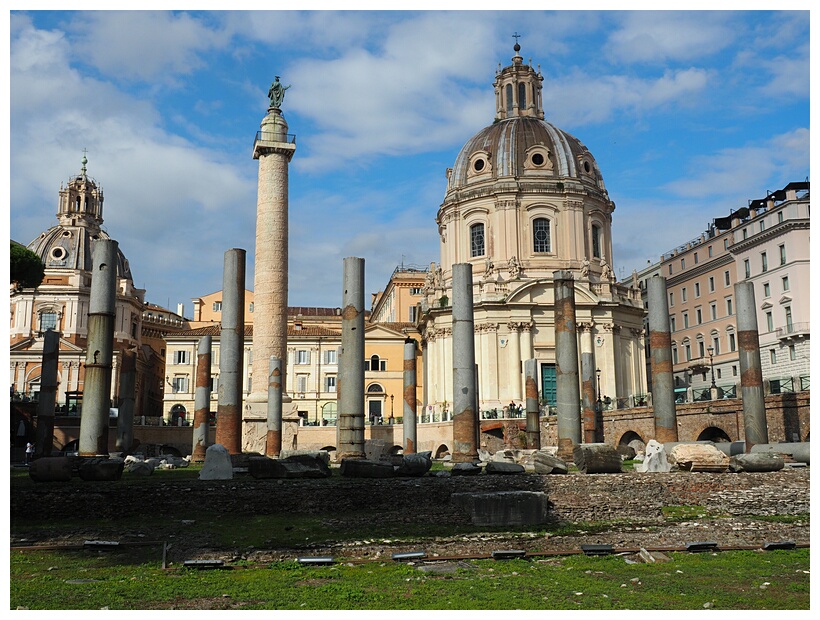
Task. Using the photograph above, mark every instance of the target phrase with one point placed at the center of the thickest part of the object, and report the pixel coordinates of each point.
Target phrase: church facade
(525, 199)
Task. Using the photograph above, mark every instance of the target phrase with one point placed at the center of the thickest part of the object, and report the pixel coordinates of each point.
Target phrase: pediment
(785, 300)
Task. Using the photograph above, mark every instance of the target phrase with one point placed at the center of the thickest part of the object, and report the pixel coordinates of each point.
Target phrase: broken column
(751, 374)
(93, 440)
(232, 339)
(533, 410)
(409, 413)
(202, 400)
(592, 434)
(660, 351)
(273, 440)
(465, 416)
(568, 394)
(125, 417)
(48, 394)
(351, 366)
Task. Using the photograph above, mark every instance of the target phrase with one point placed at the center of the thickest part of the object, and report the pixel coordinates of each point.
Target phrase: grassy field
(134, 579)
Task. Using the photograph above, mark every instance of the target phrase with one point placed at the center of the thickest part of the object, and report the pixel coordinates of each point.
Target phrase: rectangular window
(181, 357)
(729, 306)
(764, 262)
(713, 311)
(48, 320)
(670, 270)
(762, 225)
(792, 353)
(674, 355)
(711, 284)
(688, 350)
(672, 323)
(701, 352)
(696, 258)
(710, 251)
(411, 314)
(697, 289)
(727, 278)
(330, 356)
(685, 320)
(415, 291)
(766, 290)
(303, 357)
(301, 383)
(716, 345)
(747, 268)
(773, 356)
(785, 281)
(745, 233)
(732, 344)
(719, 374)
(477, 240)
(179, 384)
(671, 299)
(782, 249)
(734, 371)
(699, 316)
(779, 217)
(726, 243)
(683, 294)
(217, 307)
(788, 318)
(330, 383)
(683, 263)
(769, 322)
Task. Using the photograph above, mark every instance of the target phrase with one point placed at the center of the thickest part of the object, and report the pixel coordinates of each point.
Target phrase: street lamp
(711, 364)
(391, 409)
(599, 403)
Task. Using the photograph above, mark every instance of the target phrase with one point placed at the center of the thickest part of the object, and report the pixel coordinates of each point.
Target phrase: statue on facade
(514, 267)
(585, 267)
(276, 93)
(439, 278)
(429, 280)
(489, 268)
(635, 279)
(606, 272)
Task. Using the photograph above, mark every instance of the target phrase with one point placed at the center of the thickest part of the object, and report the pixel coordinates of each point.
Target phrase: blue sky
(689, 115)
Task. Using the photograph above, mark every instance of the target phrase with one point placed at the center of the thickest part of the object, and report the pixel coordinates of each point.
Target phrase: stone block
(504, 507)
(546, 463)
(217, 464)
(465, 469)
(322, 455)
(139, 468)
(301, 466)
(101, 469)
(414, 464)
(756, 461)
(597, 458)
(702, 457)
(51, 469)
(363, 468)
(503, 467)
(800, 452)
(655, 459)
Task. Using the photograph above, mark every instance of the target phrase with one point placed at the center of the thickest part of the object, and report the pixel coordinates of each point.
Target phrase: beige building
(768, 244)
(525, 199)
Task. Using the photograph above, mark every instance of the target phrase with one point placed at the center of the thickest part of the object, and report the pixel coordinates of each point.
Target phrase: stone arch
(633, 440)
(169, 451)
(396, 450)
(441, 451)
(329, 448)
(715, 434)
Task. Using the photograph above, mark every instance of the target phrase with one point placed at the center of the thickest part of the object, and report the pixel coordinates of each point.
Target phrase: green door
(548, 392)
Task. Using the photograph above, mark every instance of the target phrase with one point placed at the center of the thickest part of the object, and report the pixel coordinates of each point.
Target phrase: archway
(715, 434)
(441, 452)
(178, 415)
(633, 440)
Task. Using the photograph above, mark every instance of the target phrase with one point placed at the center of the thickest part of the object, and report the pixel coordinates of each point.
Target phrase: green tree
(26, 267)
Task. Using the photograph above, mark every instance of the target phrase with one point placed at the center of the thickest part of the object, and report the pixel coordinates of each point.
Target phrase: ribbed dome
(511, 148)
(69, 247)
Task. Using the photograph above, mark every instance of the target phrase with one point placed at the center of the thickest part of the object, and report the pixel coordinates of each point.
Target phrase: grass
(135, 580)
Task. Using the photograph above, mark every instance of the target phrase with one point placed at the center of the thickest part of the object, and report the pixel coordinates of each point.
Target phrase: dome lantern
(518, 90)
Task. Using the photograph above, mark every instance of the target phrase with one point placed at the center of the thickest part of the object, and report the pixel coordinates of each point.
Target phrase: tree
(27, 269)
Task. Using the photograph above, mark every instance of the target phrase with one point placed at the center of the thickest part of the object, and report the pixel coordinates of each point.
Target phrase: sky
(689, 115)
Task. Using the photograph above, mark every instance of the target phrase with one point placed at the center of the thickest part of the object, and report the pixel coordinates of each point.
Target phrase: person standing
(29, 452)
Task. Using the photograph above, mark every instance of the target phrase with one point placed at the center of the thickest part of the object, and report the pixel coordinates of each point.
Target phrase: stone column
(273, 441)
(465, 417)
(515, 361)
(591, 431)
(568, 394)
(274, 149)
(533, 410)
(125, 416)
(426, 375)
(751, 374)
(93, 439)
(48, 394)
(660, 348)
(351, 364)
(202, 400)
(231, 348)
(409, 413)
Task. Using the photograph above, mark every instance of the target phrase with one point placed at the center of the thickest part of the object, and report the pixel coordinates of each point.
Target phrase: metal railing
(794, 328)
(269, 136)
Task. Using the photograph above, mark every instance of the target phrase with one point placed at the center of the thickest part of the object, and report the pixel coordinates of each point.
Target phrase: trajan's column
(274, 149)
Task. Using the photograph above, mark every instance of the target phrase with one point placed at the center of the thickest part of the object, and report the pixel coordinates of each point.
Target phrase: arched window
(541, 235)
(596, 241)
(509, 91)
(375, 388)
(476, 240)
(522, 96)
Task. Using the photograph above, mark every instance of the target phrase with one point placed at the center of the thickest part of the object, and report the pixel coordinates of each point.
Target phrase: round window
(538, 159)
(478, 165)
(58, 253)
(586, 167)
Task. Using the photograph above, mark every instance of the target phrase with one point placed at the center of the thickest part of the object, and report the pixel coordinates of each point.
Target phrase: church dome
(523, 146)
(69, 244)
